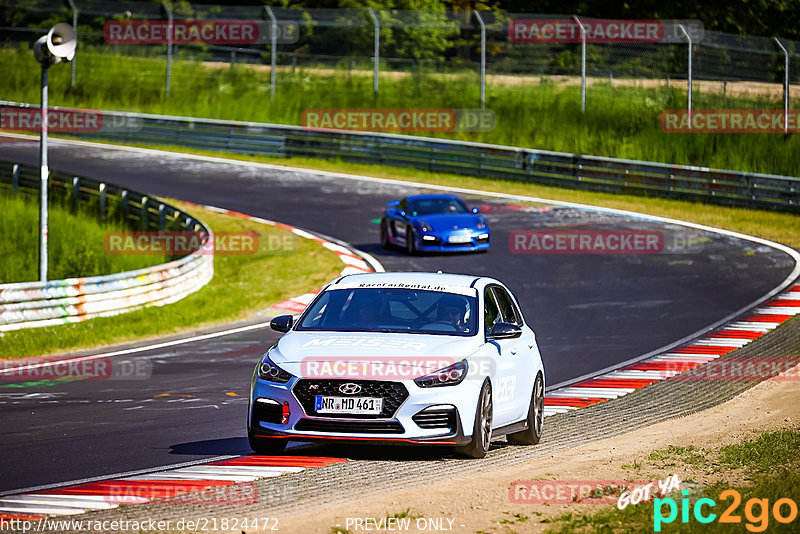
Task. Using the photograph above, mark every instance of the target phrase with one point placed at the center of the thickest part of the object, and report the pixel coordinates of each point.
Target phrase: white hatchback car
(416, 358)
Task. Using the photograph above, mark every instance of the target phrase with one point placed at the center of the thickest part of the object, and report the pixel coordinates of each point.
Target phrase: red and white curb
(354, 263)
(169, 484)
(711, 346)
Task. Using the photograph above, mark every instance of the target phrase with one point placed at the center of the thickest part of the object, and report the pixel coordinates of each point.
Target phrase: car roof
(409, 278)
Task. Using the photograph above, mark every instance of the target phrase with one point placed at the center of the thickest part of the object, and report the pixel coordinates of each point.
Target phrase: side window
(491, 313)
(507, 308)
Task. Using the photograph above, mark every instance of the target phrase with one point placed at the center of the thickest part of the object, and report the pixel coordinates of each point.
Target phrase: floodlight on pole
(58, 45)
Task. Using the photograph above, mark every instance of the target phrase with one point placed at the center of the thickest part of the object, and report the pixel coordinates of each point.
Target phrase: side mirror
(392, 203)
(282, 323)
(475, 210)
(503, 330)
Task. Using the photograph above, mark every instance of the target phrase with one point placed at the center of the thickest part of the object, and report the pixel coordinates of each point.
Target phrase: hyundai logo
(350, 388)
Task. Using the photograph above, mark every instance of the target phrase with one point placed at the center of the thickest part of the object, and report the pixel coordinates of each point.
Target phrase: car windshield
(428, 206)
(392, 310)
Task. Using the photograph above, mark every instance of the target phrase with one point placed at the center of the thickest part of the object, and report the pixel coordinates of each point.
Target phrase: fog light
(483, 236)
(428, 238)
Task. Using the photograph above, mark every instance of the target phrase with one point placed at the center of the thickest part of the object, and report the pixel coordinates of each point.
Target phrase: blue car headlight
(425, 227)
(267, 370)
(449, 376)
(481, 224)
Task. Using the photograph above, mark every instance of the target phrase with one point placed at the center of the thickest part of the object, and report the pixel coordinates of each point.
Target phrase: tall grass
(619, 121)
(75, 243)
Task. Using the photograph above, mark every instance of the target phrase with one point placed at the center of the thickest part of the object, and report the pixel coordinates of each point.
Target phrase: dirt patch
(482, 503)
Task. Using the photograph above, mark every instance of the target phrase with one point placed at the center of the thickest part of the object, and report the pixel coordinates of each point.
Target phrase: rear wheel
(267, 445)
(482, 429)
(411, 245)
(532, 434)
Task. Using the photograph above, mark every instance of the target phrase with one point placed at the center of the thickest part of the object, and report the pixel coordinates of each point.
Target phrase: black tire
(266, 445)
(385, 236)
(411, 247)
(482, 429)
(532, 434)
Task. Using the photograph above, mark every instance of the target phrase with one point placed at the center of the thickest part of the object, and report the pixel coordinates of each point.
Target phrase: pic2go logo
(757, 521)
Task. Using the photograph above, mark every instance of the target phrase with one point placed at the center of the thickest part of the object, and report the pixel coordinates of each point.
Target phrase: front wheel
(266, 445)
(385, 243)
(482, 429)
(411, 245)
(532, 434)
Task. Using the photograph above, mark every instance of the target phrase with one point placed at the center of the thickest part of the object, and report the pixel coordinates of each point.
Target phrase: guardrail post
(102, 201)
(15, 177)
(169, 45)
(162, 218)
(376, 58)
(483, 57)
(74, 27)
(273, 30)
(188, 223)
(124, 199)
(143, 218)
(785, 86)
(76, 193)
(689, 74)
(583, 63)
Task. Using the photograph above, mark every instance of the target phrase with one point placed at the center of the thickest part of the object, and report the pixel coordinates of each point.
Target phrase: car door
(521, 351)
(503, 352)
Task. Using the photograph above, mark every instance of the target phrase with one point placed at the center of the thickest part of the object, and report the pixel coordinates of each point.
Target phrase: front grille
(267, 412)
(436, 418)
(392, 393)
(481, 241)
(467, 244)
(350, 427)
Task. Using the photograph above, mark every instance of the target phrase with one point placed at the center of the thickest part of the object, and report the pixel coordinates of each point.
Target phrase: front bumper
(478, 240)
(404, 425)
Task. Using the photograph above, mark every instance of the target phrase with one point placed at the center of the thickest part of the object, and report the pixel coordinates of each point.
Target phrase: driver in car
(452, 309)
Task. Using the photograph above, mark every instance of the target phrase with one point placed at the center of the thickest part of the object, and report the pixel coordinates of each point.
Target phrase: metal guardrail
(592, 173)
(36, 304)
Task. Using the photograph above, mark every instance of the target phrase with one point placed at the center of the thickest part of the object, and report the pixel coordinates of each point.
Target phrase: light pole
(58, 45)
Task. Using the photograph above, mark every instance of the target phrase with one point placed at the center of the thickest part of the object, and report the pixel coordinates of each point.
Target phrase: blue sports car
(434, 223)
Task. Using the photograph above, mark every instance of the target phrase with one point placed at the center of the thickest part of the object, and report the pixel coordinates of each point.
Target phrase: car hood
(446, 221)
(305, 353)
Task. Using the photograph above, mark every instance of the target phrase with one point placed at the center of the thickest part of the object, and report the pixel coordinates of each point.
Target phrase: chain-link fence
(486, 48)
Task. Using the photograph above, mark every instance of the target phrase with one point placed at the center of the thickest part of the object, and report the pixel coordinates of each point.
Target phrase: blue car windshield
(429, 206)
(392, 310)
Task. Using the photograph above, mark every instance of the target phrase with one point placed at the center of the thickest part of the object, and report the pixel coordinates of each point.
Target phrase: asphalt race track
(589, 311)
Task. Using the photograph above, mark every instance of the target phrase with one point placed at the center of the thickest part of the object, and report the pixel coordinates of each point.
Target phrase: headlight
(425, 227)
(481, 224)
(267, 370)
(449, 376)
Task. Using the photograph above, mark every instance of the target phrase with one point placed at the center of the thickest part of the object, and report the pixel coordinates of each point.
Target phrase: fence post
(76, 193)
(689, 94)
(15, 177)
(102, 202)
(169, 45)
(785, 86)
(377, 40)
(583, 63)
(74, 27)
(273, 30)
(483, 58)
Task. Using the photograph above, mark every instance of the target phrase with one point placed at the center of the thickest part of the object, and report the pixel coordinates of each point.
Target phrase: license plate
(350, 405)
(459, 239)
